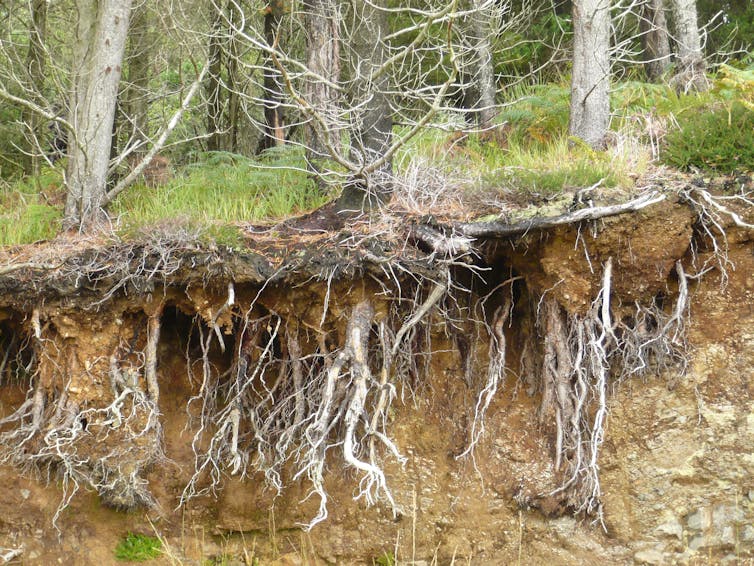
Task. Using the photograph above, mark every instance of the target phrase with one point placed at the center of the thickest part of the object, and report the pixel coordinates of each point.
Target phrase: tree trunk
(234, 97)
(274, 129)
(322, 21)
(214, 80)
(36, 69)
(485, 83)
(35, 60)
(691, 66)
(98, 55)
(142, 43)
(654, 35)
(372, 121)
(590, 81)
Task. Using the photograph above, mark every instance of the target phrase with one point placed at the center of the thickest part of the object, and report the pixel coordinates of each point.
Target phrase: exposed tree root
(582, 356)
(105, 445)
(297, 393)
(291, 400)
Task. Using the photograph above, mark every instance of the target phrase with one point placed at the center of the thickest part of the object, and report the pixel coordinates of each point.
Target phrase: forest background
(243, 111)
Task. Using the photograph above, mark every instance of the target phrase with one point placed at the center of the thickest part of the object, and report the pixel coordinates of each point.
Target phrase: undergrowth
(26, 211)
(224, 188)
(720, 140)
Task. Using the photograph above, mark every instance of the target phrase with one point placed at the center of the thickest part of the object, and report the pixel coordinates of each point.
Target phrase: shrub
(717, 140)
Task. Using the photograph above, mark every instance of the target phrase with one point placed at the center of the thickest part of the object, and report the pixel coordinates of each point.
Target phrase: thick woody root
(583, 356)
(103, 444)
(292, 401)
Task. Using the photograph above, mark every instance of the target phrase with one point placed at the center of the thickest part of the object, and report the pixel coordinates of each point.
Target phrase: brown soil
(676, 468)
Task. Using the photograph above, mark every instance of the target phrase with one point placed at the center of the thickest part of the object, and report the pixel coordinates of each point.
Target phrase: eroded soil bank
(601, 370)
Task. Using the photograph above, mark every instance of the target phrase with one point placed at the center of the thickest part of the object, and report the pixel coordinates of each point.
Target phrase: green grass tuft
(562, 165)
(719, 140)
(25, 215)
(221, 189)
(138, 548)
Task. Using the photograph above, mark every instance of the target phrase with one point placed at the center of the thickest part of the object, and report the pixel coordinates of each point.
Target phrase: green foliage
(562, 165)
(717, 140)
(222, 188)
(12, 160)
(629, 98)
(138, 548)
(25, 214)
(532, 45)
(385, 559)
(539, 116)
(733, 28)
(735, 85)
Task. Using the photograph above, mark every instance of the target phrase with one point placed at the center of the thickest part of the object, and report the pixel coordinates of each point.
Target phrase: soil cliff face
(149, 387)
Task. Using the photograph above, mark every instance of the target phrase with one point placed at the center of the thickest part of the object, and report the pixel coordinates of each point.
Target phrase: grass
(138, 548)
(207, 198)
(221, 189)
(26, 214)
(560, 166)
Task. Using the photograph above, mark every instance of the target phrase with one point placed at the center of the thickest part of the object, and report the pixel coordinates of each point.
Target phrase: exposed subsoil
(78, 318)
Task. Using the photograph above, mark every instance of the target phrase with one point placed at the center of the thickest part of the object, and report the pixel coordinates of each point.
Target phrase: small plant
(28, 211)
(385, 559)
(138, 548)
(718, 140)
(736, 85)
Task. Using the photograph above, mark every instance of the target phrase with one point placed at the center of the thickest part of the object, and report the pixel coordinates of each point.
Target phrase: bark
(590, 81)
(36, 65)
(274, 128)
(142, 42)
(233, 80)
(485, 84)
(323, 60)
(214, 81)
(100, 41)
(690, 60)
(655, 39)
(372, 121)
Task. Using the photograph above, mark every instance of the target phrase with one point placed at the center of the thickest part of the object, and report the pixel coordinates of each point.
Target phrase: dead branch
(499, 229)
(150, 354)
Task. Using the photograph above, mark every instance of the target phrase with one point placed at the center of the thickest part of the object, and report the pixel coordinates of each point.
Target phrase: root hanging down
(292, 402)
(582, 356)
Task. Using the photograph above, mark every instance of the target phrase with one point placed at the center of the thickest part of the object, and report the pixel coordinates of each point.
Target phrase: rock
(747, 533)
(725, 515)
(697, 542)
(671, 528)
(699, 520)
(25, 493)
(650, 556)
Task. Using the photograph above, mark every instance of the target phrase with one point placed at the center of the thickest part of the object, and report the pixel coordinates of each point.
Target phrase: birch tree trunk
(654, 35)
(322, 20)
(590, 81)
(372, 122)
(691, 66)
(100, 41)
